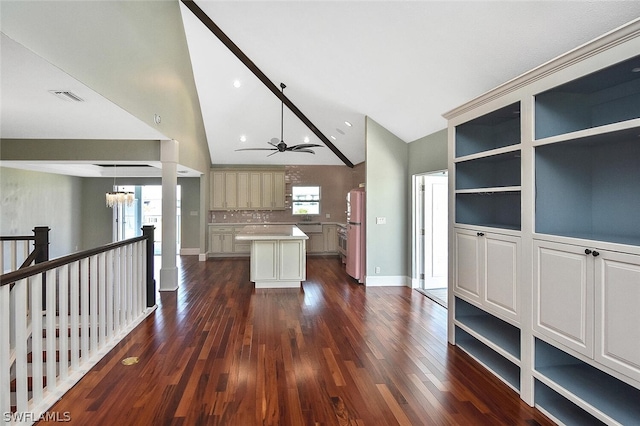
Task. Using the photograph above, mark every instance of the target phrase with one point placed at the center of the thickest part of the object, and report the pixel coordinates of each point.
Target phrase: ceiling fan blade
(303, 145)
(257, 149)
(303, 150)
(273, 153)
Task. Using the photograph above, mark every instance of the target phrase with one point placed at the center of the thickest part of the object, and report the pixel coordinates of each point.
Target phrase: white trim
(388, 281)
(189, 251)
(202, 257)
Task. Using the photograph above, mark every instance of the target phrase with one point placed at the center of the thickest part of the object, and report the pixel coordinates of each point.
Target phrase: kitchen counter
(270, 232)
(278, 258)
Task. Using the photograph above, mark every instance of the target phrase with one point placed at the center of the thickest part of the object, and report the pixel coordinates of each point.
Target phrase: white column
(204, 215)
(169, 159)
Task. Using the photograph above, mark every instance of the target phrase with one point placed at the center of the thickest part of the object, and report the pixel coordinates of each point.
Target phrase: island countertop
(270, 232)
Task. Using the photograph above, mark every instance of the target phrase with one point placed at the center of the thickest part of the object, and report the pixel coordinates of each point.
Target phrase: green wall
(386, 189)
(428, 154)
(29, 199)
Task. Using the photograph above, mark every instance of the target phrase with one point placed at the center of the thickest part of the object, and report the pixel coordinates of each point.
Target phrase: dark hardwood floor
(218, 351)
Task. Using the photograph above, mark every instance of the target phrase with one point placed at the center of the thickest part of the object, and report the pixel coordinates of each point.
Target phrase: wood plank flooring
(219, 352)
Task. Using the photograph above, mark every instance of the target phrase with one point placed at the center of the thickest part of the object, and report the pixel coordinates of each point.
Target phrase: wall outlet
(328, 215)
(377, 269)
(193, 213)
(381, 220)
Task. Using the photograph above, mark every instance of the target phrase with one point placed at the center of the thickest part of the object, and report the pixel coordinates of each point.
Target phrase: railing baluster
(136, 280)
(36, 337)
(14, 257)
(110, 294)
(129, 285)
(117, 281)
(101, 332)
(22, 335)
(74, 314)
(84, 309)
(5, 350)
(52, 380)
(63, 321)
(93, 303)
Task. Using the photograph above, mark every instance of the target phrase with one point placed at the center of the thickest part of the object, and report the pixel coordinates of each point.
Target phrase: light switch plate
(381, 220)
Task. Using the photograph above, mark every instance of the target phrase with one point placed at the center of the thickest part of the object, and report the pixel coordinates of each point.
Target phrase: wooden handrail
(17, 238)
(23, 273)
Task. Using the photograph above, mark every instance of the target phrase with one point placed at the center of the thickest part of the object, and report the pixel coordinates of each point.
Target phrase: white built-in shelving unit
(545, 232)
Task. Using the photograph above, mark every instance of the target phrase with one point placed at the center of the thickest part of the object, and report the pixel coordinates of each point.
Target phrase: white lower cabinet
(486, 270)
(221, 240)
(587, 299)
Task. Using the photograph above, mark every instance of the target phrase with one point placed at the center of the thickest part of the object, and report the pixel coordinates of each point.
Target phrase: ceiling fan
(280, 146)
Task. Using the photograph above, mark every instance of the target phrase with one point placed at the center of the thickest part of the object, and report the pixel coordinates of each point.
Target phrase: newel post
(148, 231)
(41, 247)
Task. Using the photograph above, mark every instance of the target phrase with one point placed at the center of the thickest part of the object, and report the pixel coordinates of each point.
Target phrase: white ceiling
(402, 63)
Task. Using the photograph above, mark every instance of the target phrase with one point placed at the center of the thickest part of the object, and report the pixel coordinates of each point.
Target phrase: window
(306, 199)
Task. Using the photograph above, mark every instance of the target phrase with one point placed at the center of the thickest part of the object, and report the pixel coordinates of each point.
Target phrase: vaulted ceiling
(402, 63)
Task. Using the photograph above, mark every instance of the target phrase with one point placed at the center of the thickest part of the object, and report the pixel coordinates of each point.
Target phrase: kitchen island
(278, 258)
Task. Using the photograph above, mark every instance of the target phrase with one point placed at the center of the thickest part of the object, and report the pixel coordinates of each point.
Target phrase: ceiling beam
(208, 22)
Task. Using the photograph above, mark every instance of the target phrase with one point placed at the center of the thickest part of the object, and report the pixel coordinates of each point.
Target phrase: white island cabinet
(278, 258)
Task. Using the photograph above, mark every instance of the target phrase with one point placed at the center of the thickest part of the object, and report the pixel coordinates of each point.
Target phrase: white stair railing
(91, 301)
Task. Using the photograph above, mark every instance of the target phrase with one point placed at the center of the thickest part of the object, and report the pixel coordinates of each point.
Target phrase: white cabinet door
(330, 238)
(267, 190)
(216, 189)
(264, 260)
(278, 190)
(292, 264)
(315, 243)
(501, 274)
(617, 307)
(467, 263)
(243, 191)
(255, 190)
(231, 190)
(563, 294)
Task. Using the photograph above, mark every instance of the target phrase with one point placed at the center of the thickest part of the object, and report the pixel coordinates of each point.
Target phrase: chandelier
(119, 198)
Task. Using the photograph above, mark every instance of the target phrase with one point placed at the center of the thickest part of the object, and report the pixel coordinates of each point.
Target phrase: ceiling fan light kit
(280, 145)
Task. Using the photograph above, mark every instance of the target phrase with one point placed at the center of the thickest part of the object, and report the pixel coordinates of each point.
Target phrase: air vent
(66, 95)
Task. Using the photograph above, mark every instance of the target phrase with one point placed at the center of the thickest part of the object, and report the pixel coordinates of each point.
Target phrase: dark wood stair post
(148, 231)
(41, 247)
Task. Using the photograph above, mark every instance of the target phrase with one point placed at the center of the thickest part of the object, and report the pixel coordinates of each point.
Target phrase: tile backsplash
(335, 183)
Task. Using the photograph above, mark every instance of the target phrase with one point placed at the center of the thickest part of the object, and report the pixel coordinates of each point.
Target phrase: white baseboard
(202, 257)
(388, 281)
(189, 251)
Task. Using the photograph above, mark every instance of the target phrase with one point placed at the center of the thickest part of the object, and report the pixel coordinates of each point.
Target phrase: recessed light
(348, 124)
(334, 138)
(237, 83)
(243, 138)
(306, 139)
(636, 69)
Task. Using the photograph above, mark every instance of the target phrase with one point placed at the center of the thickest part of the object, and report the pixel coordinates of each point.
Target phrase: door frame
(417, 217)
